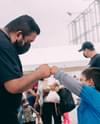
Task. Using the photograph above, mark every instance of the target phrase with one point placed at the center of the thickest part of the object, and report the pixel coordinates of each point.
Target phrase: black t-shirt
(95, 61)
(10, 68)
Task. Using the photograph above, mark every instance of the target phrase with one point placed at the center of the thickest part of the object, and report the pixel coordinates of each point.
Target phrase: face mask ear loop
(23, 43)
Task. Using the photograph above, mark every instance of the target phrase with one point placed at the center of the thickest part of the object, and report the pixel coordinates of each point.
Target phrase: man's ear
(19, 35)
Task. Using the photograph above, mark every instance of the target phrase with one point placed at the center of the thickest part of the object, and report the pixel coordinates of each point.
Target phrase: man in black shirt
(15, 39)
(89, 52)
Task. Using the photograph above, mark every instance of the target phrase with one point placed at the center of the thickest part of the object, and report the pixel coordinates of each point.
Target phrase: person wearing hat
(90, 52)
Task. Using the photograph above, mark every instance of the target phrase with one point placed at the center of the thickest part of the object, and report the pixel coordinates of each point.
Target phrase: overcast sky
(51, 15)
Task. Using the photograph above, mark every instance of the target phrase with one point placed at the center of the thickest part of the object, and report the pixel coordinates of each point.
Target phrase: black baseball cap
(86, 45)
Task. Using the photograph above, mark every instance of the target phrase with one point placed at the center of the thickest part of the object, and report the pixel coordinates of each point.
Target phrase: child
(26, 112)
(66, 118)
(89, 93)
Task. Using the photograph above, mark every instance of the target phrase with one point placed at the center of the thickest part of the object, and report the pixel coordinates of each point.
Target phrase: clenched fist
(43, 70)
(54, 69)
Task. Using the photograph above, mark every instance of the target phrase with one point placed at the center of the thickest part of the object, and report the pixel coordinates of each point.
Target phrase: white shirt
(52, 97)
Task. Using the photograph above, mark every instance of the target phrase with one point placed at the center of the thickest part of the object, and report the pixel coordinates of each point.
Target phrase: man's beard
(22, 46)
(21, 42)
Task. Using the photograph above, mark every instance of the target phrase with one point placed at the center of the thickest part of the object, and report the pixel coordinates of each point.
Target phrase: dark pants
(49, 110)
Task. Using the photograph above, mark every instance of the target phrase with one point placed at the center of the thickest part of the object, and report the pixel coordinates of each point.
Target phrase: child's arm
(68, 82)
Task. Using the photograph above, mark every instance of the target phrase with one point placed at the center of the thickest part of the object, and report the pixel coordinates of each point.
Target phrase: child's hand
(54, 69)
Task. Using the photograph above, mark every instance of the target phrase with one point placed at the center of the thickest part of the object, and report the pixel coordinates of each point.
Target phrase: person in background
(50, 107)
(15, 39)
(25, 114)
(42, 92)
(90, 52)
(32, 93)
(89, 93)
(66, 119)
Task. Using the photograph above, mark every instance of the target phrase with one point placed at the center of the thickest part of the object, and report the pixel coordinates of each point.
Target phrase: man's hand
(44, 71)
(23, 83)
(54, 69)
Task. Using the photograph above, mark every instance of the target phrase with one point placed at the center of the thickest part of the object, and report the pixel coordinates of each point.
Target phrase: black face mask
(22, 48)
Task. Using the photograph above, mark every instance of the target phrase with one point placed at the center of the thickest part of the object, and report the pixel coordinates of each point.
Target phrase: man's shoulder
(3, 39)
(2, 35)
(97, 56)
(95, 61)
(4, 42)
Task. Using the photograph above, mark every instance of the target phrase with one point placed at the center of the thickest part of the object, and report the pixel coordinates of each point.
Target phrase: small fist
(54, 69)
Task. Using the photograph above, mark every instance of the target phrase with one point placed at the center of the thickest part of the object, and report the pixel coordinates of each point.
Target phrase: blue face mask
(22, 47)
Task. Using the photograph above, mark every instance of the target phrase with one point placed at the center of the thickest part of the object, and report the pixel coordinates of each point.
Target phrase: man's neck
(5, 31)
(11, 35)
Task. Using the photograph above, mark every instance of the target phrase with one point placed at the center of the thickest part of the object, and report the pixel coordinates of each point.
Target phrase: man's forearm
(23, 83)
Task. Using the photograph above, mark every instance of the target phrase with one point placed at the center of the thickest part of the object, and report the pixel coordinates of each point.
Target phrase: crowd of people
(46, 102)
(15, 87)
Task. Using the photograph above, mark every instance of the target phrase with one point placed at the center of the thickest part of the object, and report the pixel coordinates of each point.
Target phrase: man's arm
(25, 82)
